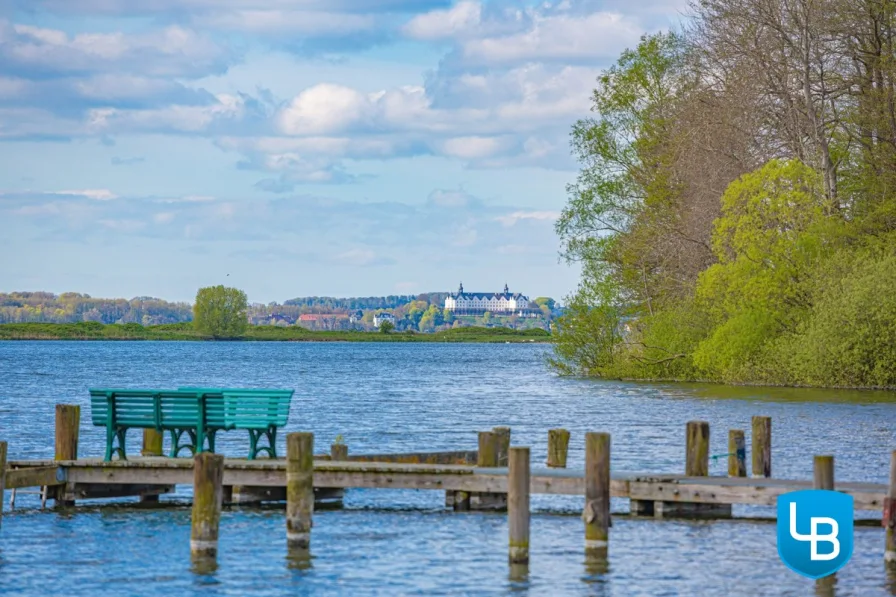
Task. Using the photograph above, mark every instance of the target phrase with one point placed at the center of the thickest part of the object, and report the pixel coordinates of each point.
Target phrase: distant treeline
(70, 307)
(329, 304)
(423, 312)
(73, 307)
(92, 330)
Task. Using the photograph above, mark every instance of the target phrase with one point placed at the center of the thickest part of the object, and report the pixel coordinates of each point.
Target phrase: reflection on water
(775, 394)
(426, 397)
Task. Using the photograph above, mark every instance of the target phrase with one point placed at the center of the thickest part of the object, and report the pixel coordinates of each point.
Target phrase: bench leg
(177, 446)
(255, 435)
(110, 440)
(211, 440)
(114, 436)
(120, 436)
(253, 443)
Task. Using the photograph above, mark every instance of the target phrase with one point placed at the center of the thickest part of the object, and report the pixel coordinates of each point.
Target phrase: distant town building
(475, 303)
(379, 318)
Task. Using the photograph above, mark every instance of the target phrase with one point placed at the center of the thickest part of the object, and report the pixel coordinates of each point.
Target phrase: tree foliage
(220, 312)
(735, 213)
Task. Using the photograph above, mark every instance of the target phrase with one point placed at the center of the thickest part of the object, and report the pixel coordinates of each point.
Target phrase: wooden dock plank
(759, 491)
(33, 477)
(448, 477)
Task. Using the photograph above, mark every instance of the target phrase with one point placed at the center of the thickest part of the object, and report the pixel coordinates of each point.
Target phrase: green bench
(197, 413)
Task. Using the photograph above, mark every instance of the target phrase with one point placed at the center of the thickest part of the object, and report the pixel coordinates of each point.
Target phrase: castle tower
(461, 289)
(506, 289)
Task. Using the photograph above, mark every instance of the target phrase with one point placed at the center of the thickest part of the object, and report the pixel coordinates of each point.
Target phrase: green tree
(220, 312)
(386, 327)
(775, 230)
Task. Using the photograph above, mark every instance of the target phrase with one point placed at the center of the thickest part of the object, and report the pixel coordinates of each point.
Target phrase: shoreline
(180, 332)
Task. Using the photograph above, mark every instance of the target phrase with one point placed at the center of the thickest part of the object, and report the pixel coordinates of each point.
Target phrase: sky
(296, 147)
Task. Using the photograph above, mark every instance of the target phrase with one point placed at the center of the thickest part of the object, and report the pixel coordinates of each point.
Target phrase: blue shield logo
(815, 531)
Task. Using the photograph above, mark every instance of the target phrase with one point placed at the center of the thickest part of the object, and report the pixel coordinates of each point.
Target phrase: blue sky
(304, 147)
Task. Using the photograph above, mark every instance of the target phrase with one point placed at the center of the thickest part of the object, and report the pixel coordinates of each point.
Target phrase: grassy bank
(185, 331)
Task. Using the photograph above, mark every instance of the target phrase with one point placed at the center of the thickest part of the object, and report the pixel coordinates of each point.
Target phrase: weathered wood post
(696, 465)
(68, 424)
(518, 505)
(299, 489)
(889, 519)
(503, 444)
(152, 446)
(338, 452)
(823, 478)
(208, 494)
(762, 446)
(558, 446)
(3, 447)
(737, 453)
(490, 447)
(823, 472)
(697, 458)
(597, 494)
(152, 443)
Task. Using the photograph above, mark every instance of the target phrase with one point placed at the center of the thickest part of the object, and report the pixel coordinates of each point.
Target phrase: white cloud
(515, 217)
(469, 148)
(459, 20)
(315, 23)
(488, 35)
(95, 194)
(557, 37)
(176, 118)
(169, 52)
(322, 109)
(177, 7)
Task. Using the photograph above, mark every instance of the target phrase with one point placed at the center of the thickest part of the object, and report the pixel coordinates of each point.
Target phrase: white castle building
(474, 303)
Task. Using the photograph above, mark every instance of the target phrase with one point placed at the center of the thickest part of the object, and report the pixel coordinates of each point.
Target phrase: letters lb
(815, 531)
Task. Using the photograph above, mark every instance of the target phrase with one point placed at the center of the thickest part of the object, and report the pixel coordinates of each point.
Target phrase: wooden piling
(152, 443)
(889, 519)
(502, 435)
(762, 446)
(597, 491)
(488, 449)
(152, 446)
(518, 505)
(697, 460)
(208, 495)
(558, 446)
(338, 452)
(68, 422)
(3, 447)
(823, 470)
(491, 444)
(299, 489)
(696, 465)
(737, 453)
(823, 478)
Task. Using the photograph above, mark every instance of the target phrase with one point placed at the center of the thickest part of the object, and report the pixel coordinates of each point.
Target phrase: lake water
(417, 397)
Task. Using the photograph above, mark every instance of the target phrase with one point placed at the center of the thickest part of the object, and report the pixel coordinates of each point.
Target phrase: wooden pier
(303, 477)
(85, 478)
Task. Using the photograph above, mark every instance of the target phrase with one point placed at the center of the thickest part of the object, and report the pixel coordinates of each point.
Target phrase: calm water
(396, 397)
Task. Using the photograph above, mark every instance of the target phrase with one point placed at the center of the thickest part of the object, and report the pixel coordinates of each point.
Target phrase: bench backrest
(225, 408)
(166, 409)
(245, 408)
